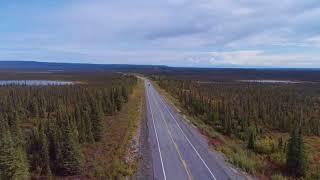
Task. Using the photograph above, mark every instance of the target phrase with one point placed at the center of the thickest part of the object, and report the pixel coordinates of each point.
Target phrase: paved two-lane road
(179, 152)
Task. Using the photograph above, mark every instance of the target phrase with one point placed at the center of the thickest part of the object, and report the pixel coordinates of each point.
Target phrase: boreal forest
(43, 127)
(233, 107)
(268, 128)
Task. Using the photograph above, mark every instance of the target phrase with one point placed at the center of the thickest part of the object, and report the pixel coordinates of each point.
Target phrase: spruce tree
(97, 126)
(252, 141)
(13, 161)
(302, 157)
(88, 127)
(117, 99)
(71, 159)
(54, 135)
(80, 124)
(280, 144)
(124, 93)
(40, 151)
(296, 157)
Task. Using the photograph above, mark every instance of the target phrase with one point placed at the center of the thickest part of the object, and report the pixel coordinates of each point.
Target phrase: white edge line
(162, 101)
(172, 140)
(155, 130)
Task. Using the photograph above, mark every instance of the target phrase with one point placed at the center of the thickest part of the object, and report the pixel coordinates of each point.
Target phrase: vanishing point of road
(178, 150)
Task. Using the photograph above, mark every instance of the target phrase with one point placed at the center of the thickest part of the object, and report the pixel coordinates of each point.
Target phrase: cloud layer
(177, 32)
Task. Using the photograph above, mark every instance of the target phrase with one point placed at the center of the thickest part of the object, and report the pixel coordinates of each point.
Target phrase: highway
(178, 150)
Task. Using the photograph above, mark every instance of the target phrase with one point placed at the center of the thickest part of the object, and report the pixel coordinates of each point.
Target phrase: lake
(35, 82)
(272, 81)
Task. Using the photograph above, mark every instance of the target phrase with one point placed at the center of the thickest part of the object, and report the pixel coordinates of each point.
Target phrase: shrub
(278, 177)
(314, 172)
(278, 157)
(242, 158)
(265, 146)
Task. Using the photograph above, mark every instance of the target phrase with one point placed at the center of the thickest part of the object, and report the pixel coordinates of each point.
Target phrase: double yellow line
(174, 142)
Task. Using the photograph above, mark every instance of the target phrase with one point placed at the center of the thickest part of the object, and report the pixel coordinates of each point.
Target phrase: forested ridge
(42, 128)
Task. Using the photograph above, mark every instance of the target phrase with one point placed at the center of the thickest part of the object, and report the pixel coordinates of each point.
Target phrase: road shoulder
(144, 169)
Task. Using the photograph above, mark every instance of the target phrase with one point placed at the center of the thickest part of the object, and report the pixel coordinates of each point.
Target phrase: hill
(49, 66)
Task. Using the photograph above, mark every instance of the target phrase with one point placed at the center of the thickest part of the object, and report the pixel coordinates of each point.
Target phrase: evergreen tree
(97, 126)
(117, 99)
(13, 161)
(13, 119)
(88, 126)
(80, 124)
(252, 141)
(212, 117)
(280, 143)
(33, 108)
(296, 157)
(40, 151)
(302, 157)
(71, 159)
(64, 117)
(124, 93)
(54, 143)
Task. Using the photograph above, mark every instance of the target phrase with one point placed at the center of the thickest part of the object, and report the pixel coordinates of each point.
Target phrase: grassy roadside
(109, 159)
(266, 164)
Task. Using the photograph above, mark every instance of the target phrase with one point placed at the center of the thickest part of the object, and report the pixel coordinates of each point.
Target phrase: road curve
(179, 151)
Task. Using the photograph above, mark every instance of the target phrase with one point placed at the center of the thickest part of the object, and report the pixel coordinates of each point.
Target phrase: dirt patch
(134, 149)
(215, 142)
(272, 166)
(316, 158)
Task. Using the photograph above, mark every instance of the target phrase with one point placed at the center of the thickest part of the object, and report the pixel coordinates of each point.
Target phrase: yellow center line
(184, 163)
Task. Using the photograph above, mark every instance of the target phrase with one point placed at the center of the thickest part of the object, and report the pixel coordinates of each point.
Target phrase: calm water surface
(35, 82)
(272, 81)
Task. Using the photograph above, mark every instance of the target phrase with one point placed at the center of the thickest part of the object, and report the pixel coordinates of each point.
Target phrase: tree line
(42, 128)
(234, 107)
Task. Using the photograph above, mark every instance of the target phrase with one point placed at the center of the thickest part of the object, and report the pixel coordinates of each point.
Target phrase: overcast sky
(199, 33)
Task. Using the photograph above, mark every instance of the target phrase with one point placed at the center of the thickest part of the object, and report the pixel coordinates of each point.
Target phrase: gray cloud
(143, 29)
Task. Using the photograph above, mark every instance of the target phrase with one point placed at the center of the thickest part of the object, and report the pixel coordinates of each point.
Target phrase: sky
(190, 33)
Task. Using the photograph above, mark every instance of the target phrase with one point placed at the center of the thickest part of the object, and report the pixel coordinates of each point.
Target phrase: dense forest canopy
(232, 106)
(43, 127)
(232, 75)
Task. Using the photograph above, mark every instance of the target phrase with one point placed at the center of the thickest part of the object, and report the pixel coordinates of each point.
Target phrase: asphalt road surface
(178, 150)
